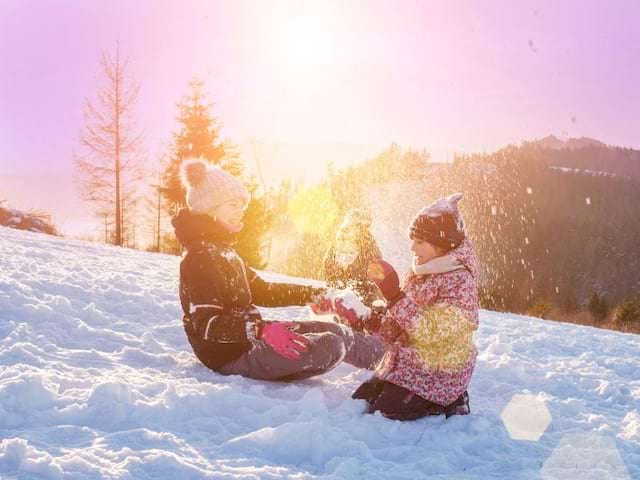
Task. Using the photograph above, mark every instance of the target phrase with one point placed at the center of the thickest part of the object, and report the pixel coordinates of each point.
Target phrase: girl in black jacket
(219, 294)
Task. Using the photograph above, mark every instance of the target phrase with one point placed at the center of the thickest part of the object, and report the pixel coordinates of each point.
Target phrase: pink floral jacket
(431, 350)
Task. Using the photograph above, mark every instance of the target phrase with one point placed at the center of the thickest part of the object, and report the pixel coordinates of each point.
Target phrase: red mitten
(386, 279)
(321, 305)
(348, 315)
(284, 341)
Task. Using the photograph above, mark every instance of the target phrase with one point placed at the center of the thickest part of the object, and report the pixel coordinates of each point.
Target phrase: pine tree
(198, 137)
(255, 249)
(603, 312)
(598, 307)
(629, 313)
(594, 304)
(569, 300)
(540, 308)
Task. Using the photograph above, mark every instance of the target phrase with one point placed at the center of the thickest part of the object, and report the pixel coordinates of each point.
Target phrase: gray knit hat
(208, 186)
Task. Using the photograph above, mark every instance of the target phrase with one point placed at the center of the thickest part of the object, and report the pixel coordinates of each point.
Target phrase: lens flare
(313, 210)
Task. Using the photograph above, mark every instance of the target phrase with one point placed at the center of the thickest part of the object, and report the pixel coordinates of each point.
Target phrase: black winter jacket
(219, 293)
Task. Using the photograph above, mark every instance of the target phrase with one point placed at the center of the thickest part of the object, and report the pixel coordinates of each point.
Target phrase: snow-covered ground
(97, 381)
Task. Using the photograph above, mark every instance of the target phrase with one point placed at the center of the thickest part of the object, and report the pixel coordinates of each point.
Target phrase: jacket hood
(465, 254)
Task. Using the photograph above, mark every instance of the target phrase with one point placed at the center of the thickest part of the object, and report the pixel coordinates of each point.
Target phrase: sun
(305, 42)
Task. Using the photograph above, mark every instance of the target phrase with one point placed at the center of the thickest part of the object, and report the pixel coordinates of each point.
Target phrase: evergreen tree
(598, 307)
(629, 313)
(199, 136)
(255, 249)
(604, 308)
(594, 304)
(540, 308)
(568, 298)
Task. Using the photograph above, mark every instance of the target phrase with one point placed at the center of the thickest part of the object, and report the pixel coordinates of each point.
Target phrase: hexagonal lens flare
(585, 456)
(526, 417)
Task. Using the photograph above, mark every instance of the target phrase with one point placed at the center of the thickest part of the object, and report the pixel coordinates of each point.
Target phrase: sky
(473, 76)
(299, 84)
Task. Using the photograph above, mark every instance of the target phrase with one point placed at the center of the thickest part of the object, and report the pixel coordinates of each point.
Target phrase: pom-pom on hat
(208, 186)
(440, 223)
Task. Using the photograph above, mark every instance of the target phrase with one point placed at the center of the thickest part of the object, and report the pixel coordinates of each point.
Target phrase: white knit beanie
(208, 186)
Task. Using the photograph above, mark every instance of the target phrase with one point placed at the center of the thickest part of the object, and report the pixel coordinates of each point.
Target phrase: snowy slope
(97, 381)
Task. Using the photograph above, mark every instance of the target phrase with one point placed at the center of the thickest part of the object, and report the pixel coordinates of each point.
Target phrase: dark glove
(373, 323)
(386, 279)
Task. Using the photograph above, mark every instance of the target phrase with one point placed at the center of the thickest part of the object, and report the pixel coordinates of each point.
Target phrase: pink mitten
(283, 340)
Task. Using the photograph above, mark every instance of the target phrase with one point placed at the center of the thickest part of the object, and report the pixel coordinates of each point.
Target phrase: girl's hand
(284, 341)
(345, 304)
(321, 304)
(386, 279)
(391, 332)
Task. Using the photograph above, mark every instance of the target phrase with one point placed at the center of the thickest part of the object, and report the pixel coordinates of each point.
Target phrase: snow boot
(459, 407)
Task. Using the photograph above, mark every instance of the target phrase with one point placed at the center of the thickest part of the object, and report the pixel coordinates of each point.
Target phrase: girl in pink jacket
(428, 327)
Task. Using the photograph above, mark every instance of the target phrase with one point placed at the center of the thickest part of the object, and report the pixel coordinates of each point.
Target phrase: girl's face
(230, 214)
(424, 251)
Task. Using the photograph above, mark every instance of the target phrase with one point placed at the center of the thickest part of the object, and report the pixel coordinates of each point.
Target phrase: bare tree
(110, 166)
(130, 200)
(158, 188)
(153, 206)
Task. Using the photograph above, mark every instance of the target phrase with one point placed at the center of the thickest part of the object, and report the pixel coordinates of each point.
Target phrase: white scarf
(444, 264)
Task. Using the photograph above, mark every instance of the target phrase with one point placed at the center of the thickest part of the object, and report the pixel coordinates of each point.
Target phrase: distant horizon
(73, 216)
(69, 169)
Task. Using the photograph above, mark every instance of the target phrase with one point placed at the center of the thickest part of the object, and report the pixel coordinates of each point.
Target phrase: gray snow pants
(330, 344)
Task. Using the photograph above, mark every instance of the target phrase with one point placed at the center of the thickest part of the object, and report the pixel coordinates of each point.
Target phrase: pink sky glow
(463, 74)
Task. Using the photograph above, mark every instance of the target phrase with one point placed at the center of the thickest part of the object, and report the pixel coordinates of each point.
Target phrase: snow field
(97, 381)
